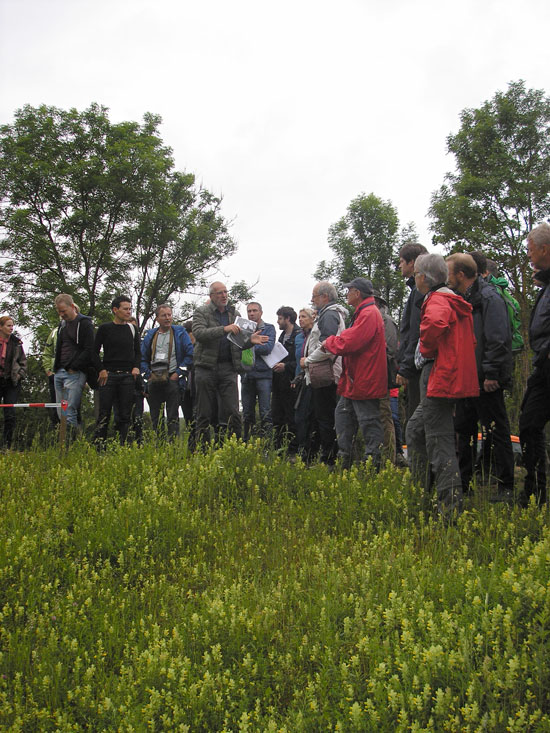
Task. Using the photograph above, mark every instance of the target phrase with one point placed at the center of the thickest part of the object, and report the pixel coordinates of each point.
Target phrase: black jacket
(283, 379)
(84, 355)
(539, 324)
(410, 331)
(493, 334)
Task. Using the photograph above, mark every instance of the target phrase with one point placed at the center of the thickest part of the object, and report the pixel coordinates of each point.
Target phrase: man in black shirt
(407, 373)
(119, 369)
(283, 396)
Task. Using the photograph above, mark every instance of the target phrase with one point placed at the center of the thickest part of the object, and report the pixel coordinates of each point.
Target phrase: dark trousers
(307, 433)
(535, 413)
(136, 416)
(283, 398)
(217, 393)
(430, 437)
(489, 410)
(118, 390)
(324, 404)
(394, 402)
(8, 395)
(167, 392)
(412, 395)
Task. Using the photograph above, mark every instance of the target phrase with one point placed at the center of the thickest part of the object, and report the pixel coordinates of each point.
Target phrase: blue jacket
(183, 346)
(260, 369)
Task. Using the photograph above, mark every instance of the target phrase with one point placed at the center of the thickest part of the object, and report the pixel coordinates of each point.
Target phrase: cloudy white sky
(288, 110)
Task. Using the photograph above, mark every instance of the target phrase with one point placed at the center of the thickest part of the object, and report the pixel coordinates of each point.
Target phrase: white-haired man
(535, 408)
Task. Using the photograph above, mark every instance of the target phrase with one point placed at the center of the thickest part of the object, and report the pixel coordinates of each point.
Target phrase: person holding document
(218, 362)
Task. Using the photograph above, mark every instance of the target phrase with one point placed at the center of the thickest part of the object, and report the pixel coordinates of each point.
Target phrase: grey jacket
(329, 322)
(208, 333)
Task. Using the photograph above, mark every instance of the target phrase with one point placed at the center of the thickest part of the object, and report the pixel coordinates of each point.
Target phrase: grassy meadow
(156, 590)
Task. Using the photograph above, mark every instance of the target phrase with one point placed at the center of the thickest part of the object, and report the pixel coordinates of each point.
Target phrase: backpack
(512, 306)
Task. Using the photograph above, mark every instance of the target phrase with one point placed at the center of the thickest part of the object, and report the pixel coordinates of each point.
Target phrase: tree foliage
(501, 186)
(94, 209)
(365, 243)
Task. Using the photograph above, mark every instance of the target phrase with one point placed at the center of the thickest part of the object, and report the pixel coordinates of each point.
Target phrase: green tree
(501, 186)
(365, 242)
(93, 209)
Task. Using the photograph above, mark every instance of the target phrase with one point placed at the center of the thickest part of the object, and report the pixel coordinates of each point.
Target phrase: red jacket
(363, 348)
(447, 335)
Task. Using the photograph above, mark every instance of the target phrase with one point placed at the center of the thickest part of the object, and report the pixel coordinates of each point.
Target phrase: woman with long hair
(13, 367)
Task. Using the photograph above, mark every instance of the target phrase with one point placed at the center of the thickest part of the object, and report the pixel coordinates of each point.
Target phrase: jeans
(54, 417)
(252, 387)
(169, 393)
(8, 395)
(69, 386)
(365, 414)
(118, 390)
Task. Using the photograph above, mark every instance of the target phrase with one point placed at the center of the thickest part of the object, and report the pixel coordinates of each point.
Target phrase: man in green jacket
(218, 362)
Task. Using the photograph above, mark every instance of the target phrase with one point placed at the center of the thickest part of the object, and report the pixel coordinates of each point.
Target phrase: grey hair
(326, 288)
(539, 236)
(161, 306)
(433, 267)
(309, 311)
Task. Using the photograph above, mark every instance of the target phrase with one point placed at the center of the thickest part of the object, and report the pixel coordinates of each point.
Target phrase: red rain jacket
(447, 335)
(363, 350)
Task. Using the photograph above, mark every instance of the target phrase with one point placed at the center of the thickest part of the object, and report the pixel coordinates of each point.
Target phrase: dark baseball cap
(362, 284)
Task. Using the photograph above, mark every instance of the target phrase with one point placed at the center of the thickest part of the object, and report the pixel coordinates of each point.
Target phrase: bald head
(218, 295)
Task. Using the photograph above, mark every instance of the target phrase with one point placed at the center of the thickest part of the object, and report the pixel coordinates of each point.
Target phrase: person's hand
(280, 367)
(231, 328)
(258, 338)
(49, 373)
(135, 372)
(491, 385)
(174, 377)
(103, 377)
(303, 362)
(401, 381)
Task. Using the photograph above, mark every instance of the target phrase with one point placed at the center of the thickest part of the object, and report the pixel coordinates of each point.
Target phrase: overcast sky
(288, 110)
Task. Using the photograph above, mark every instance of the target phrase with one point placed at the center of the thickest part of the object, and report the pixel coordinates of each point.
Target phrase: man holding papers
(218, 362)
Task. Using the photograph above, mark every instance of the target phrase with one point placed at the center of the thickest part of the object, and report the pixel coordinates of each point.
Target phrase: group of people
(322, 380)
